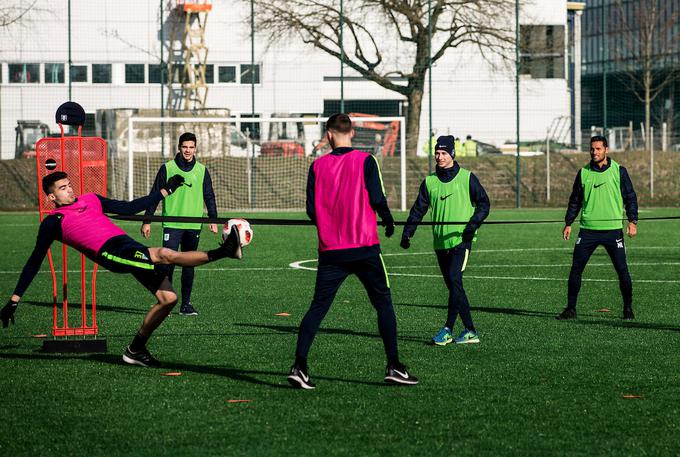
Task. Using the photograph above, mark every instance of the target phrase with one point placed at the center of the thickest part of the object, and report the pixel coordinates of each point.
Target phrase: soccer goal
(255, 163)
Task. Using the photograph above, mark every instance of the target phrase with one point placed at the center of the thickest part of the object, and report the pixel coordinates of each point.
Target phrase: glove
(468, 235)
(389, 227)
(173, 183)
(405, 243)
(7, 313)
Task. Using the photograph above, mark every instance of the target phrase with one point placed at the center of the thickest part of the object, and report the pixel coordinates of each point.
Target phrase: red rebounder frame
(84, 160)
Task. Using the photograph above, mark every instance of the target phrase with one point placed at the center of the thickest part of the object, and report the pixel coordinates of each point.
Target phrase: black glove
(389, 227)
(7, 313)
(405, 243)
(173, 183)
(468, 235)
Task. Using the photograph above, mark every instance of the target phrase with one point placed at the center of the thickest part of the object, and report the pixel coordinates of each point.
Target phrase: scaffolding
(187, 55)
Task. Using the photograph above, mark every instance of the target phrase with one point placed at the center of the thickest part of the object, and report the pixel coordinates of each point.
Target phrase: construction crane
(188, 53)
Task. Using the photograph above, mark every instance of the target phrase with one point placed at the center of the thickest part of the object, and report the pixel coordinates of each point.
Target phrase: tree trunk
(415, 106)
(648, 112)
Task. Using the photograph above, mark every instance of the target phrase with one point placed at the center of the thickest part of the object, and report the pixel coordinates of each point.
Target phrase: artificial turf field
(534, 386)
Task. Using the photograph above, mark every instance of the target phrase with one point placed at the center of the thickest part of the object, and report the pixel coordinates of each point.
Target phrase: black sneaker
(142, 358)
(397, 374)
(628, 314)
(188, 310)
(231, 247)
(299, 379)
(568, 313)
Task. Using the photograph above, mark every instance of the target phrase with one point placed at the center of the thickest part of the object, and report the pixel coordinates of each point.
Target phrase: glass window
(134, 73)
(24, 73)
(54, 73)
(155, 74)
(250, 129)
(101, 73)
(227, 74)
(542, 51)
(78, 73)
(250, 74)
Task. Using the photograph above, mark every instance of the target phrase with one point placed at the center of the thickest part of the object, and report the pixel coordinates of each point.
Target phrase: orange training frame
(84, 160)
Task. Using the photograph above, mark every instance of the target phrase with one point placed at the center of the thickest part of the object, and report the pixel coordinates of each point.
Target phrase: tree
(12, 11)
(646, 35)
(369, 25)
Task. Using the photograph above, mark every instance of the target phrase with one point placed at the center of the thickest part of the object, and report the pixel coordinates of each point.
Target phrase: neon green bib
(186, 200)
(602, 198)
(449, 201)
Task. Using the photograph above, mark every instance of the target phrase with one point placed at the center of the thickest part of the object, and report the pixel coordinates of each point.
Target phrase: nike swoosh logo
(404, 375)
(598, 185)
(187, 184)
(444, 197)
(618, 241)
(304, 377)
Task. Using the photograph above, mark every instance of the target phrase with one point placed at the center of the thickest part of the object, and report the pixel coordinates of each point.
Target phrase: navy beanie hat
(445, 142)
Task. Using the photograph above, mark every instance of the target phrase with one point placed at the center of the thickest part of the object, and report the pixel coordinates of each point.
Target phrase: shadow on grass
(331, 331)
(604, 319)
(236, 374)
(76, 307)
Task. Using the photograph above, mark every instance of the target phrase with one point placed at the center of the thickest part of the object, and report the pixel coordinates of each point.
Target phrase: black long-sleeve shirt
(208, 192)
(376, 198)
(627, 192)
(478, 198)
(50, 230)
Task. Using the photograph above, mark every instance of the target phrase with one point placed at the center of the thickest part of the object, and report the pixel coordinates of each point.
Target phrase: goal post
(256, 163)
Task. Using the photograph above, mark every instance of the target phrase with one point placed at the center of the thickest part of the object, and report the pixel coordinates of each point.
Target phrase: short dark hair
(186, 136)
(596, 138)
(49, 180)
(339, 122)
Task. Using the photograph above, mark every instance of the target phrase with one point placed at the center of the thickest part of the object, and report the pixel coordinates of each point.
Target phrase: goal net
(254, 163)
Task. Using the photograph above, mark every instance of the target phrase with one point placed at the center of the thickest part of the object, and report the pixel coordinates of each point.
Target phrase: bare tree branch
(371, 27)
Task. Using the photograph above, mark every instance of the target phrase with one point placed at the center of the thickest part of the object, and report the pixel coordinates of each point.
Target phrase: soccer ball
(244, 230)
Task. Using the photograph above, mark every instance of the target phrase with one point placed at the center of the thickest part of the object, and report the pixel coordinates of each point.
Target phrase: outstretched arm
(50, 229)
(130, 207)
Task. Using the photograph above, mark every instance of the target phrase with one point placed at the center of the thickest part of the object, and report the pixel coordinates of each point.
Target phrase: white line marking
(534, 278)
(519, 265)
(102, 270)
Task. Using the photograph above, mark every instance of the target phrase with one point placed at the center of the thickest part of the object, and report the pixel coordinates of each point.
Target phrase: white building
(116, 52)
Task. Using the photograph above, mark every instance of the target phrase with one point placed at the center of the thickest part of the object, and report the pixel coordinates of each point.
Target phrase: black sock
(216, 254)
(472, 329)
(138, 342)
(393, 361)
(301, 363)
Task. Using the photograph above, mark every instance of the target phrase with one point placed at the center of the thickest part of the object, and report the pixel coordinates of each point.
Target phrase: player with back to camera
(601, 191)
(451, 193)
(187, 201)
(80, 222)
(344, 192)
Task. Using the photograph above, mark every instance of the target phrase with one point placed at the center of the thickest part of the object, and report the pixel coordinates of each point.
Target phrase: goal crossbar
(232, 120)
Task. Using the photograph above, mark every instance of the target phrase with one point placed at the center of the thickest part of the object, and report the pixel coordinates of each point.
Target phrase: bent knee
(167, 298)
(165, 255)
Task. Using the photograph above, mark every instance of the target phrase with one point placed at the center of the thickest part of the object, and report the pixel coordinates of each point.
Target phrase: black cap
(445, 143)
(70, 113)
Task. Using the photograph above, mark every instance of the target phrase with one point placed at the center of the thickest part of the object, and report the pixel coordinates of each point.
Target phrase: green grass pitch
(534, 386)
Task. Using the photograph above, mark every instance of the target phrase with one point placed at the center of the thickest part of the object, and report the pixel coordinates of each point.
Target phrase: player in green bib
(453, 194)
(187, 201)
(601, 191)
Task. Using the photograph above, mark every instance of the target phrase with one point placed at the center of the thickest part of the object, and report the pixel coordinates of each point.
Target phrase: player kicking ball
(80, 222)
(452, 193)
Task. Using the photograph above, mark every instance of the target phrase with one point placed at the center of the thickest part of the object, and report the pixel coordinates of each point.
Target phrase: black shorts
(122, 254)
